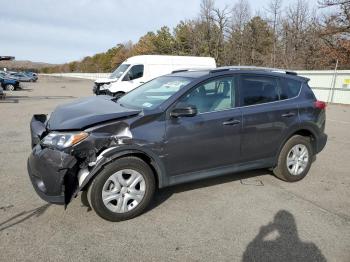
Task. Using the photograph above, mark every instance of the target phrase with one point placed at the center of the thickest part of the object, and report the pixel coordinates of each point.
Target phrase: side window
(135, 72)
(290, 88)
(258, 90)
(215, 95)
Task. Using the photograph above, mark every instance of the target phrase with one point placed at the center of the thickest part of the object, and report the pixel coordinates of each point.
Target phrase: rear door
(209, 139)
(267, 116)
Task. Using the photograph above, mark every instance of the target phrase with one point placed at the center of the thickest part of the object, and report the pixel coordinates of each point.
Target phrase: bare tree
(339, 21)
(295, 37)
(206, 15)
(294, 31)
(336, 30)
(240, 17)
(221, 19)
(326, 3)
(274, 8)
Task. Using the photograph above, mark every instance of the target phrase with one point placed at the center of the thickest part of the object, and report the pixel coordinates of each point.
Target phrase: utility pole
(334, 80)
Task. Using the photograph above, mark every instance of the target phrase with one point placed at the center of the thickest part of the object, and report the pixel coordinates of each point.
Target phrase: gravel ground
(246, 216)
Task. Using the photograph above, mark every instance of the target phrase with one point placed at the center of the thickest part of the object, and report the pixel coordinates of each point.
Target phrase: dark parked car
(33, 76)
(7, 83)
(181, 127)
(21, 77)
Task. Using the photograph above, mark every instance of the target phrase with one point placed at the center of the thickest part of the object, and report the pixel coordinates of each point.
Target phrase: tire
(120, 204)
(292, 165)
(84, 199)
(118, 94)
(10, 87)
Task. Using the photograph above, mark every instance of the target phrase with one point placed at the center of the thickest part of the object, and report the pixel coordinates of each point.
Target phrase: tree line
(294, 37)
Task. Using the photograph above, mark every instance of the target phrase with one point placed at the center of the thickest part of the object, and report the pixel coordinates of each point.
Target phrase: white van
(137, 70)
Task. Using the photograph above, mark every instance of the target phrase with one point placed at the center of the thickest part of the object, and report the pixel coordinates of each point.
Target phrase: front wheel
(118, 95)
(10, 87)
(122, 190)
(295, 159)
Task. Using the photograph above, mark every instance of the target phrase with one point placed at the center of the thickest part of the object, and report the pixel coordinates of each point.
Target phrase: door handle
(290, 114)
(231, 122)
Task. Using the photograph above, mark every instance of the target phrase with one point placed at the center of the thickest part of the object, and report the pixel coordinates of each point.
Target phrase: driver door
(133, 78)
(210, 139)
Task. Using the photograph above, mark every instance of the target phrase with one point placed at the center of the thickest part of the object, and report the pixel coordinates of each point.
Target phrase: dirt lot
(238, 217)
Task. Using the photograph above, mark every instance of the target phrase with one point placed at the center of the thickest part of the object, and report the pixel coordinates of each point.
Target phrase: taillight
(320, 105)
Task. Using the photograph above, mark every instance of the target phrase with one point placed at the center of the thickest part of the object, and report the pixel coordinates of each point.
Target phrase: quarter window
(259, 90)
(290, 88)
(215, 95)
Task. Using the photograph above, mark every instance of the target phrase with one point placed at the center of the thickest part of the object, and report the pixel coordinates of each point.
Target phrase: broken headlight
(63, 140)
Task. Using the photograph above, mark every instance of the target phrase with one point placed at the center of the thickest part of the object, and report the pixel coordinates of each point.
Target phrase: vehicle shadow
(164, 194)
(6, 100)
(25, 89)
(286, 244)
(23, 216)
(39, 97)
(17, 99)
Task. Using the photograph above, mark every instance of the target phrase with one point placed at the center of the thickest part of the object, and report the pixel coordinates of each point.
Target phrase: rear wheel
(122, 190)
(295, 159)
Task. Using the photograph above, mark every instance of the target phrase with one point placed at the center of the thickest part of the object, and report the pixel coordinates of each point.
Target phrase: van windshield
(153, 93)
(119, 71)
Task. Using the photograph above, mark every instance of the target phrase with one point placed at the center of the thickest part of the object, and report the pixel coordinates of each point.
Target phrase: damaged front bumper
(59, 174)
(52, 172)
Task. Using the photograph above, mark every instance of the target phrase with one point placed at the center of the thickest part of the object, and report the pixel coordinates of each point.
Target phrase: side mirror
(187, 111)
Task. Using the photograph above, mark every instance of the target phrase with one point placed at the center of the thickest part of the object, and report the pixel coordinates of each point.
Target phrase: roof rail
(179, 71)
(191, 70)
(277, 70)
(219, 69)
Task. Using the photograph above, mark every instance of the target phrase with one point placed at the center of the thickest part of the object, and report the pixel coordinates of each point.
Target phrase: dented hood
(87, 112)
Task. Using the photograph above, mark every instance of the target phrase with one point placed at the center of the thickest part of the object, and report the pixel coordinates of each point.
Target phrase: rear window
(290, 88)
(259, 90)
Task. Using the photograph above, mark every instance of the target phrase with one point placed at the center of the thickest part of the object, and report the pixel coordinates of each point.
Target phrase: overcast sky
(66, 30)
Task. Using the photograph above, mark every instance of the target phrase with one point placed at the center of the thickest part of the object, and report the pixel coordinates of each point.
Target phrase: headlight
(63, 140)
(105, 86)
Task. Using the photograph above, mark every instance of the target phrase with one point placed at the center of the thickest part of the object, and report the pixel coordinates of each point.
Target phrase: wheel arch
(303, 131)
(113, 155)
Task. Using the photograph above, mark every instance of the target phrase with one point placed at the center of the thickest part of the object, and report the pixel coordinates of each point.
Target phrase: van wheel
(122, 190)
(118, 94)
(295, 159)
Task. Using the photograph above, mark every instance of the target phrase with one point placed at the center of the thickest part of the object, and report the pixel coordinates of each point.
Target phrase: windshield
(153, 93)
(119, 71)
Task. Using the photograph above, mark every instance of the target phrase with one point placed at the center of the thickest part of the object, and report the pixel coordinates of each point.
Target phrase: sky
(67, 30)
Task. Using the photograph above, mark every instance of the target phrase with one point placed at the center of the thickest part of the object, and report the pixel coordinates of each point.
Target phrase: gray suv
(177, 128)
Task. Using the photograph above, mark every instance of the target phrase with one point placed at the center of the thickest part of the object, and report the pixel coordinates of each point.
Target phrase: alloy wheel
(297, 159)
(123, 191)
